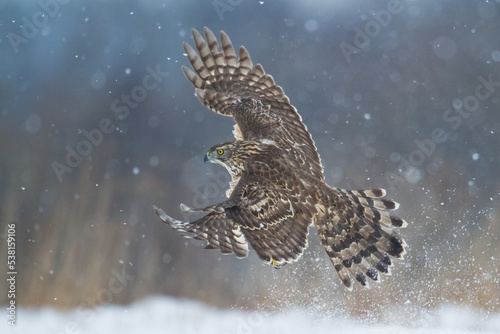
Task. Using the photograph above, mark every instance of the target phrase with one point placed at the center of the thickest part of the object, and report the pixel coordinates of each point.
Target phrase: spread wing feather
(216, 228)
(269, 220)
(272, 219)
(233, 86)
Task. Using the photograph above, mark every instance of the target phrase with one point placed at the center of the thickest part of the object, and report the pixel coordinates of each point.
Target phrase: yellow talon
(275, 264)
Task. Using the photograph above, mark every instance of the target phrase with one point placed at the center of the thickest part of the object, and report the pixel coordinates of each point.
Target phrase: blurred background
(98, 124)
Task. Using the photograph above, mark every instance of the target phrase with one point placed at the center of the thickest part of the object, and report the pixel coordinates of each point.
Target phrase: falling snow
(98, 124)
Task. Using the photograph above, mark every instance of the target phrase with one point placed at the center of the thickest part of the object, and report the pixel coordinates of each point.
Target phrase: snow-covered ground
(169, 315)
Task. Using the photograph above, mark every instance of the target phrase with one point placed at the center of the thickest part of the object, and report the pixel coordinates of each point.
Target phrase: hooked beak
(206, 158)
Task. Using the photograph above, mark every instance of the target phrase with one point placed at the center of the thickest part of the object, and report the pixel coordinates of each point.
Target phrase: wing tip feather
(174, 223)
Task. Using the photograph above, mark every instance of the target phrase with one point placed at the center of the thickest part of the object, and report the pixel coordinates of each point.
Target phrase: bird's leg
(276, 265)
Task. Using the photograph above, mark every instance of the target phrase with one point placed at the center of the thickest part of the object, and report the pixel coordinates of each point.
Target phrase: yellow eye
(220, 151)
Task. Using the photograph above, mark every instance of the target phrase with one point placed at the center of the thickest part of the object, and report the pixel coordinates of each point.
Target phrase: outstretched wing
(359, 234)
(216, 228)
(233, 86)
(270, 219)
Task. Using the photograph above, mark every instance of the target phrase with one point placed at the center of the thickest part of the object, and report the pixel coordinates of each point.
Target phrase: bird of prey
(278, 189)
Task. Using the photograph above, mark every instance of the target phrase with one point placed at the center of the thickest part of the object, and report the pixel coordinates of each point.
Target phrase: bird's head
(219, 153)
(232, 155)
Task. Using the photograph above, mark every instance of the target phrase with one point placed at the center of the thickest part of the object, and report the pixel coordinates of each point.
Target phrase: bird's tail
(359, 234)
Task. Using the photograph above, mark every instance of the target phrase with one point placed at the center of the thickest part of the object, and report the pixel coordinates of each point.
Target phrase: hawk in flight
(278, 189)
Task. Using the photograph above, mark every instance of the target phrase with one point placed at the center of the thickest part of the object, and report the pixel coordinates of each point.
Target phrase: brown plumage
(278, 189)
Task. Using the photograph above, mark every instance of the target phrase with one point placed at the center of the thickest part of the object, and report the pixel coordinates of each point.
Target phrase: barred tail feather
(359, 234)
